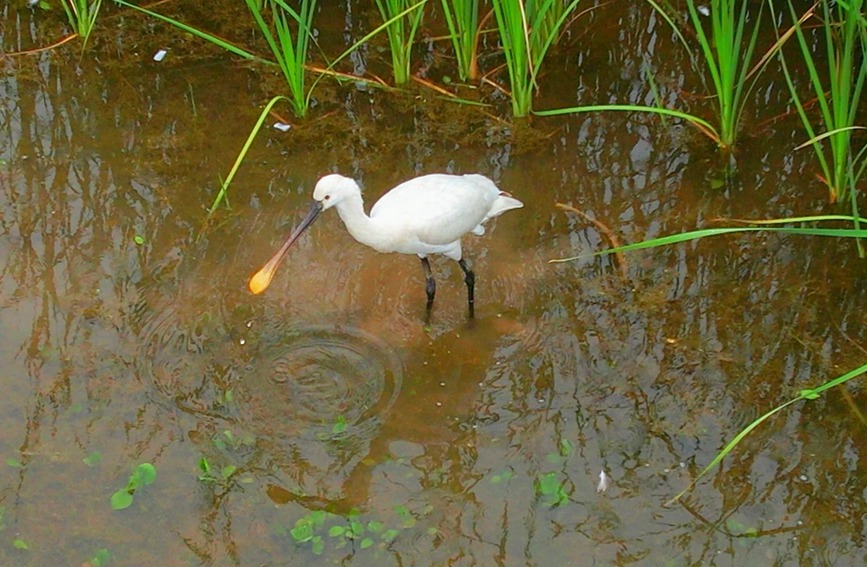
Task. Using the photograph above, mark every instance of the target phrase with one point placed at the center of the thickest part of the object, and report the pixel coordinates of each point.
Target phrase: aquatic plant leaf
(339, 425)
(100, 558)
(92, 459)
(318, 545)
(146, 473)
(302, 532)
(121, 500)
(375, 527)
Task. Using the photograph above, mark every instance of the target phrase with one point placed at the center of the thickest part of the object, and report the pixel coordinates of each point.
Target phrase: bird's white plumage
(425, 215)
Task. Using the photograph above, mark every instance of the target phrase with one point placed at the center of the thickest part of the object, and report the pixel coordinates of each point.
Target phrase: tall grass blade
(221, 195)
(696, 234)
(703, 125)
(803, 395)
(401, 33)
(462, 18)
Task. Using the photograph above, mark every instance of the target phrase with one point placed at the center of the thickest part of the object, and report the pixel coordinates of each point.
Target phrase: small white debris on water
(604, 481)
(439, 404)
(282, 126)
(442, 384)
(160, 55)
(803, 478)
(704, 10)
(249, 324)
(243, 341)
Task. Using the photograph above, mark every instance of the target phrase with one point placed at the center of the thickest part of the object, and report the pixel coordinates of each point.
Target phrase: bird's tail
(503, 203)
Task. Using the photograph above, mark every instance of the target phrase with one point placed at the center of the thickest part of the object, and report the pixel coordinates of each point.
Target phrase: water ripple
(307, 380)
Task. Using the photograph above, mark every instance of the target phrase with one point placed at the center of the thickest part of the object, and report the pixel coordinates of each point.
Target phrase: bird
(422, 216)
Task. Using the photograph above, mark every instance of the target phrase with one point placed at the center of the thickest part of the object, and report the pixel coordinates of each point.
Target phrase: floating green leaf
(100, 558)
(146, 474)
(339, 425)
(92, 459)
(302, 531)
(374, 527)
(552, 489)
(121, 500)
(318, 545)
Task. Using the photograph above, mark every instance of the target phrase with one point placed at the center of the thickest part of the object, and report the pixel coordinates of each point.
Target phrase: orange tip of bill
(260, 281)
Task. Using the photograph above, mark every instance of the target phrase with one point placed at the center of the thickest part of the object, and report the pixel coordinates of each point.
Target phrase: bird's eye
(326, 197)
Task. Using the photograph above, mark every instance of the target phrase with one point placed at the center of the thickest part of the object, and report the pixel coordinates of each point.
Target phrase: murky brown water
(328, 395)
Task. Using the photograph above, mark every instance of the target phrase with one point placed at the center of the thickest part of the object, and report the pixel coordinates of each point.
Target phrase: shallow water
(454, 443)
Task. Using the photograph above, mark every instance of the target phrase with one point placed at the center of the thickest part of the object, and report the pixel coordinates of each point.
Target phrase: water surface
(129, 335)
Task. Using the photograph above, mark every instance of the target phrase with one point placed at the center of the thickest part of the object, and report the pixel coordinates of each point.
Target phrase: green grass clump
(462, 18)
(836, 90)
(142, 475)
(527, 31)
(81, 15)
(727, 48)
(288, 35)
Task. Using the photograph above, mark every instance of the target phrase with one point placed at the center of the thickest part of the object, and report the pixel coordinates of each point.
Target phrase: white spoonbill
(422, 216)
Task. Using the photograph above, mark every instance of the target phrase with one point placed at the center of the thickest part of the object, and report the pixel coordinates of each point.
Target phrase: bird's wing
(436, 209)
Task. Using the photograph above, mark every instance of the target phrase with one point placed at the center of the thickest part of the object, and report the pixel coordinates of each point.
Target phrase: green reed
(527, 31)
(728, 50)
(401, 32)
(81, 15)
(462, 18)
(288, 35)
(837, 92)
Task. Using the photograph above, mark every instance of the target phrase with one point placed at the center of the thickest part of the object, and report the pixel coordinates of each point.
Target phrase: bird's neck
(359, 225)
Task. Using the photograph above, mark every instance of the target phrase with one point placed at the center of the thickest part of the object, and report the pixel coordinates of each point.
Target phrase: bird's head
(329, 191)
(334, 188)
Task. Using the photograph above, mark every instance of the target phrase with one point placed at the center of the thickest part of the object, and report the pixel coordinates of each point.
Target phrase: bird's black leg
(470, 279)
(430, 286)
